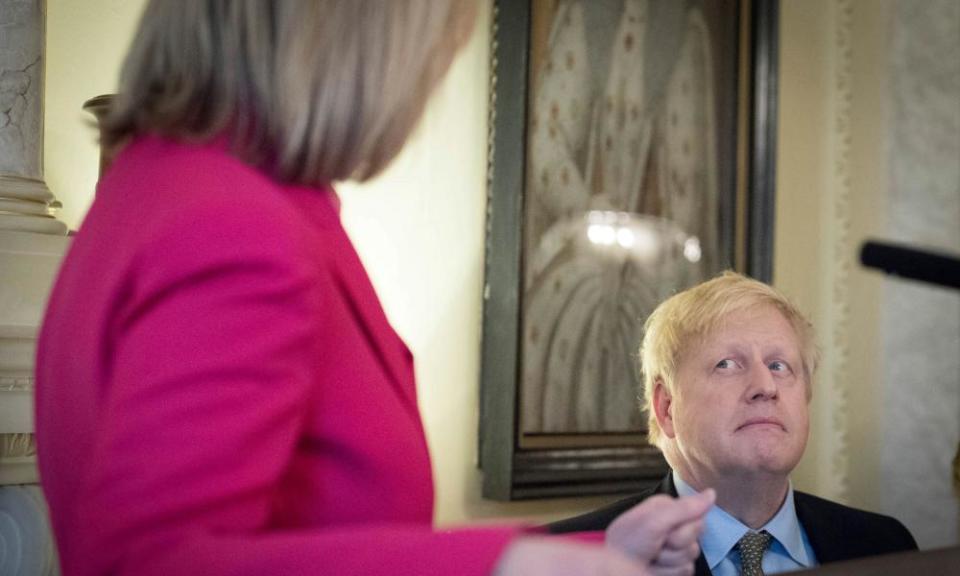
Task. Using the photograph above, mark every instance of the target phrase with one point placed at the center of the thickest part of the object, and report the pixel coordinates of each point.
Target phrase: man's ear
(663, 407)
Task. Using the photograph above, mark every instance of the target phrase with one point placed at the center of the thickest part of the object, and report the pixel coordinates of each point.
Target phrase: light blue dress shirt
(789, 550)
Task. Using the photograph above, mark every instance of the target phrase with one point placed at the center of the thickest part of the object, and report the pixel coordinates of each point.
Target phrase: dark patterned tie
(751, 547)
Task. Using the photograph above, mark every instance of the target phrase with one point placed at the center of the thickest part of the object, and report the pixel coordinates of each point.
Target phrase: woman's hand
(661, 532)
(658, 537)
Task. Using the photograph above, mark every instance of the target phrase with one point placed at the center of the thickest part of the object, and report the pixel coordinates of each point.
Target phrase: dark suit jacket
(836, 532)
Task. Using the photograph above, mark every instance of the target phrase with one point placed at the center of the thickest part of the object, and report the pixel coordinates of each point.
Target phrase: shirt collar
(722, 531)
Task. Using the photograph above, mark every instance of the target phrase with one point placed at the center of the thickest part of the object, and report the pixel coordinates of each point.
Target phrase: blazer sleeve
(211, 380)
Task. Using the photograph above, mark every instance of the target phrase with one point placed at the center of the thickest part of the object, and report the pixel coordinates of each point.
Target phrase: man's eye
(725, 363)
(779, 366)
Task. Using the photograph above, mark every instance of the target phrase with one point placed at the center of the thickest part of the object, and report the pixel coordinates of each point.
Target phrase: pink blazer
(219, 391)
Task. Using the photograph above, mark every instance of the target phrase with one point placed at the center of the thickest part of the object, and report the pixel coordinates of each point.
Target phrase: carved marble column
(25, 202)
(32, 244)
(21, 74)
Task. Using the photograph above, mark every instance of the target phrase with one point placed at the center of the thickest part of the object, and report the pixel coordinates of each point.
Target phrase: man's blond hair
(682, 320)
(309, 91)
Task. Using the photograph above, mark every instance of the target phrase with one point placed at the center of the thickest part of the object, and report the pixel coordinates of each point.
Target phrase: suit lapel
(391, 352)
(360, 297)
(822, 531)
(666, 486)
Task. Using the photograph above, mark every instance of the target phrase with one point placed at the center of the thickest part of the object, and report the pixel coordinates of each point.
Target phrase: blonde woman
(218, 389)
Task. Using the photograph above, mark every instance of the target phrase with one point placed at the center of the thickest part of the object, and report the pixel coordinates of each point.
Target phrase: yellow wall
(807, 170)
(867, 151)
(831, 192)
(86, 42)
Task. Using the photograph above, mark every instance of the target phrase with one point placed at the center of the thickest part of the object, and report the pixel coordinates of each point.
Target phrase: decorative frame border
(511, 472)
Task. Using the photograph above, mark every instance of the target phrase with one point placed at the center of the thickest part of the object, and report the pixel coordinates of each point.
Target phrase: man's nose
(762, 384)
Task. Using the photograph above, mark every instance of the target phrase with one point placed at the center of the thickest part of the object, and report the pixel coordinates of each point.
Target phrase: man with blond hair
(728, 368)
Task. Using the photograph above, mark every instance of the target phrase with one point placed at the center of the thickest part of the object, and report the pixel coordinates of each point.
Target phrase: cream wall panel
(886, 415)
(803, 169)
(830, 199)
(920, 324)
(86, 42)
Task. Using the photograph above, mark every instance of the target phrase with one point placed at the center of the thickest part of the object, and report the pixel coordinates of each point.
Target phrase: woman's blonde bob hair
(310, 91)
(682, 320)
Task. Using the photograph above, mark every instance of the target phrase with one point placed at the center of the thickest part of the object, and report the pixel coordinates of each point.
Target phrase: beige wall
(830, 198)
(804, 118)
(86, 42)
(869, 136)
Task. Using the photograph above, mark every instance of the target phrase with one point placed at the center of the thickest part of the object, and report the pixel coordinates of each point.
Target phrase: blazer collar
(390, 350)
(359, 295)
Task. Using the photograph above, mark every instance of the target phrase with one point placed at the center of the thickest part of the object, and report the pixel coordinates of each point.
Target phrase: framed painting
(631, 156)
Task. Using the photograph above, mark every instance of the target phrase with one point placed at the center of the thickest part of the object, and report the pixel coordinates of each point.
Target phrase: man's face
(739, 405)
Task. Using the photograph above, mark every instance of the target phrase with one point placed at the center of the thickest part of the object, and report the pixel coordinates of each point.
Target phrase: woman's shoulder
(177, 184)
(180, 169)
(188, 202)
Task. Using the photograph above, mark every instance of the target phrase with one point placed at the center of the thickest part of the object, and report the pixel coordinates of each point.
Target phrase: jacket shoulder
(600, 518)
(861, 533)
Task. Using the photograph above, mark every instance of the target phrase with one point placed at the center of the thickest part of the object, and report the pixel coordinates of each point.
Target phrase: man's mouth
(760, 423)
